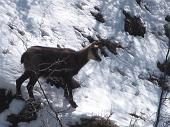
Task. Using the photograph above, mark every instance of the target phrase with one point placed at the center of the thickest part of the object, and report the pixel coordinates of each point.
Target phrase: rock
(167, 18)
(5, 98)
(134, 25)
(28, 113)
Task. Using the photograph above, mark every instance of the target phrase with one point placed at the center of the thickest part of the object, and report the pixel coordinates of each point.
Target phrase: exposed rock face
(95, 121)
(134, 25)
(5, 98)
(28, 114)
(98, 15)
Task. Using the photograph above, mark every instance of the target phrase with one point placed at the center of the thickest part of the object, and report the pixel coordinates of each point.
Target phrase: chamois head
(93, 51)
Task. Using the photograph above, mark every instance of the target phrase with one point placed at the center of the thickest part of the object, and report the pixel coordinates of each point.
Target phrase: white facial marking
(96, 46)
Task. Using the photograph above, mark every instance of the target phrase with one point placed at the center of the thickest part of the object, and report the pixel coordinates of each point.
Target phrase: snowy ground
(104, 89)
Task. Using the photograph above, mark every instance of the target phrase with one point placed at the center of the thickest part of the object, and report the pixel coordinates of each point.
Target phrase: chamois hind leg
(72, 84)
(19, 82)
(68, 93)
(30, 86)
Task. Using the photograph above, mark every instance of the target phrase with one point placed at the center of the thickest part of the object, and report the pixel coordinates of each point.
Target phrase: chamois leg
(19, 82)
(74, 84)
(68, 93)
(30, 86)
(68, 89)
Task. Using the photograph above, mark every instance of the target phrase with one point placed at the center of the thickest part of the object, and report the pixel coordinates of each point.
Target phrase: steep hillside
(117, 87)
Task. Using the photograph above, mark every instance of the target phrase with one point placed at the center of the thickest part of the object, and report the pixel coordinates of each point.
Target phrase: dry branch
(51, 107)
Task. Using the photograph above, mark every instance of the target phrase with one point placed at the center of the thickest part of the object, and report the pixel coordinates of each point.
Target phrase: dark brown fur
(54, 62)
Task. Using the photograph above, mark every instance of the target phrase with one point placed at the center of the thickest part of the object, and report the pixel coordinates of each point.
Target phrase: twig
(51, 107)
(162, 92)
(159, 109)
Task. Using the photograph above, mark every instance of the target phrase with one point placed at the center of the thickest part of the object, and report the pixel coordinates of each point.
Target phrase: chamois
(54, 62)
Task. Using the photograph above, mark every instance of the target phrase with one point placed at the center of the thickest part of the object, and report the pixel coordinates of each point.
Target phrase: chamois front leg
(74, 84)
(68, 93)
(19, 82)
(30, 86)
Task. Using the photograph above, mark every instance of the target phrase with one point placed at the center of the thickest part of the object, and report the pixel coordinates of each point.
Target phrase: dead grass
(95, 122)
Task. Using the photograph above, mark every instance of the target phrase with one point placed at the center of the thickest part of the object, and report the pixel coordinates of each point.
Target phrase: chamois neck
(83, 57)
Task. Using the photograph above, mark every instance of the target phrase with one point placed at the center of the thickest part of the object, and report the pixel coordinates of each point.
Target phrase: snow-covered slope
(104, 89)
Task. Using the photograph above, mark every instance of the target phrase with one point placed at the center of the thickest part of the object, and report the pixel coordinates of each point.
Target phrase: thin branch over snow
(49, 104)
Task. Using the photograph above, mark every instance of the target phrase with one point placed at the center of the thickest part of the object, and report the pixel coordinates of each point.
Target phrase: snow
(104, 89)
